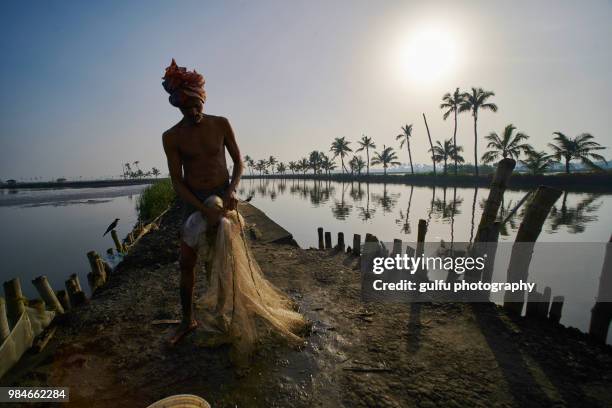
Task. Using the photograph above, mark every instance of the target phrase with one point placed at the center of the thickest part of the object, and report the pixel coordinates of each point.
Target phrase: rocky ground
(112, 352)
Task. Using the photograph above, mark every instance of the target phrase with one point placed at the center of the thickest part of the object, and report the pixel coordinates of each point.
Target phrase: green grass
(154, 200)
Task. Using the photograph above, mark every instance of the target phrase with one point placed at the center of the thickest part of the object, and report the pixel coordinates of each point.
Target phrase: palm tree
(261, 166)
(451, 103)
(386, 157)
(155, 172)
(304, 165)
(580, 148)
(340, 147)
(272, 162)
(474, 102)
(405, 138)
(326, 164)
(442, 152)
(292, 167)
(314, 161)
(359, 164)
(367, 144)
(250, 163)
(537, 162)
(509, 145)
(281, 168)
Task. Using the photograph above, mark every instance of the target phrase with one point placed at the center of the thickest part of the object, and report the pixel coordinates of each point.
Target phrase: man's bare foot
(183, 329)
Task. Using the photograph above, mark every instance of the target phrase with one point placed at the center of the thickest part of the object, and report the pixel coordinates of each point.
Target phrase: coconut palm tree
(340, 147)
(359, 164)
(537, 162)
(444, 151)
(509, 145)
(155, 171)
(304, 165)
(451, 103)
(271, 163)
(250, 163)
(405, 138)
(581, 148)
(281, 168)
(292, 167)
(314, 161)
(261, 166)
(366, 143)
(326, 164)
(474, 102)
(386, 157)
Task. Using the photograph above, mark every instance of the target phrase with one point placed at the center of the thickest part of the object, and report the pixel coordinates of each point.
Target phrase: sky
(81, 81)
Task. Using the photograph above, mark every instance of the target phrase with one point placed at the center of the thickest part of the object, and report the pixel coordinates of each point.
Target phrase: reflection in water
(575, 218)
(404, 219)
(385, 200)
(473, 214)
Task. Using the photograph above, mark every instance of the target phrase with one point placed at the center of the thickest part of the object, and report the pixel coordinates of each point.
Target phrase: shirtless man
(195, 149)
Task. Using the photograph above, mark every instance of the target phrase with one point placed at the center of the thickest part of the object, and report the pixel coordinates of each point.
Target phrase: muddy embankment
(112, 352)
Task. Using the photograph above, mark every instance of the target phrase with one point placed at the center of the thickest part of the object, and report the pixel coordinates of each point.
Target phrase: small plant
(154, 200)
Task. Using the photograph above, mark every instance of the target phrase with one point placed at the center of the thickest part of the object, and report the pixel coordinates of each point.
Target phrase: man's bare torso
(201, 147)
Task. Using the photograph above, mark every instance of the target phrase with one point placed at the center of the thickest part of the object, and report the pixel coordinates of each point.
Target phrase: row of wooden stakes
(13, 304)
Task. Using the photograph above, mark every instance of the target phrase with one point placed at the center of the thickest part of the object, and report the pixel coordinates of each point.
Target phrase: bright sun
(428, 54)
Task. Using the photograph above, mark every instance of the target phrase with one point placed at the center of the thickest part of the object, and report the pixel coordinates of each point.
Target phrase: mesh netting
(239, 301)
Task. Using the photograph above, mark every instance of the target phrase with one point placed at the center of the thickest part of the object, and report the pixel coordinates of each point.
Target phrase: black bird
(112, 226)
(249, 198)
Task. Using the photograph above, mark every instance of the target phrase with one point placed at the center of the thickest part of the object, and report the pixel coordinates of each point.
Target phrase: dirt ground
(357, 355)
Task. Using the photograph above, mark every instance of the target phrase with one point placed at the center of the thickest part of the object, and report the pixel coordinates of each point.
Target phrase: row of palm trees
(511, 143)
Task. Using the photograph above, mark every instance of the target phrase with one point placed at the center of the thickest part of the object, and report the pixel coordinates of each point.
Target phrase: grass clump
(154, 200)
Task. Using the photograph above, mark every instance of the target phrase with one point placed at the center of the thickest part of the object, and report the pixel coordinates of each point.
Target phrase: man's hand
(230, 202)
(212, 215)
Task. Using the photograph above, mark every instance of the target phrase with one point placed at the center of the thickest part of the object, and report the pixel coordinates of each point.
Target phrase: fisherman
(195, 150)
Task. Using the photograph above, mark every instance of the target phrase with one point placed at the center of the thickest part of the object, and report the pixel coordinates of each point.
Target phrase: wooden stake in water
(356, 244)
(45, 291)
(340, 245)
(526, 236)
(320, 234)
(601, 314)
(118, 246)
(328, 241)
(5, 331)
(15, 302)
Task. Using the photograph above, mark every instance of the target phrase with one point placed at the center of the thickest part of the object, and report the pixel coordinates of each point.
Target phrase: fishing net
(239, 301)
(31, 323)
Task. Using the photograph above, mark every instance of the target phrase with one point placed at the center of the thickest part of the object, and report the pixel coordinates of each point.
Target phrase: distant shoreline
(79, 184)
(583, 182)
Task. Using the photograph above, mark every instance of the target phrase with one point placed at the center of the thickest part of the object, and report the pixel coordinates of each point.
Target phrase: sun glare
(427, 55)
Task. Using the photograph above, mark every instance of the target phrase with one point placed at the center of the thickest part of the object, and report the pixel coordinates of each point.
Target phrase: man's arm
(176, 175)
(234, 152)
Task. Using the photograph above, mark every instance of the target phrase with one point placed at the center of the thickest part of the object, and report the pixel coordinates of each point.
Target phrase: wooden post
(75, 294)
(601, 314)
(75, 277)
(371, 249)
(340, 244)
(555, 309)
(496, 194)
(522, 250)
(97, 277)
(420, 247)
(15, 302)
(5, 331)
(118, 245)
(320, 234)
(397, 247)
(533, 298)
(356, 244)
(328, 241)
(62, 296)
(545, 303)
(430, 145)
(43, 287)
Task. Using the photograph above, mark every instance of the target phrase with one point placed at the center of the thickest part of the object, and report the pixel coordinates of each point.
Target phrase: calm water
(48, 232)
(392, 211)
